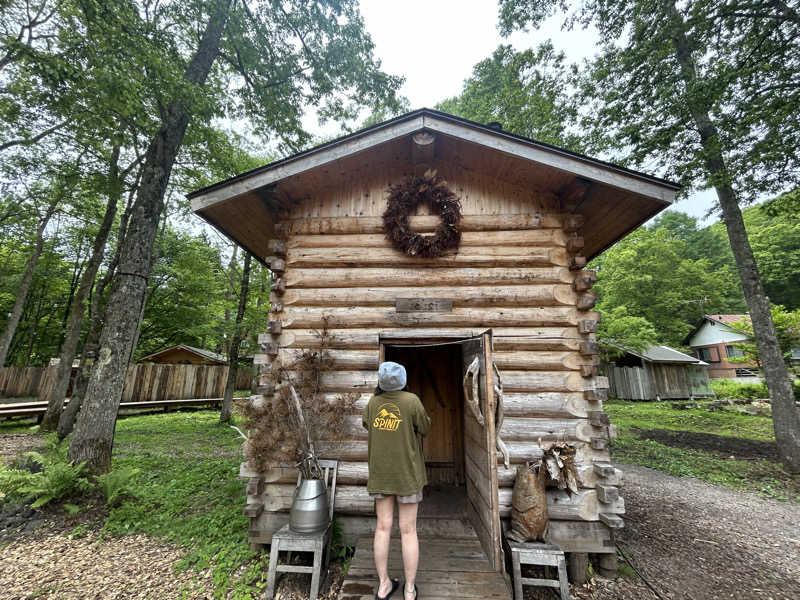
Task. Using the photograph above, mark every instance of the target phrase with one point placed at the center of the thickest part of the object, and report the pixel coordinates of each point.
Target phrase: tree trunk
(785, 416)
(233, 349)
(93, 437)
(58, 391)
(25, 284)
(67, 420)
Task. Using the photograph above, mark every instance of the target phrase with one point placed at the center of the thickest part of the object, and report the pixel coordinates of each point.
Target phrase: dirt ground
(723, 445)
(696, 541)
(689, 539)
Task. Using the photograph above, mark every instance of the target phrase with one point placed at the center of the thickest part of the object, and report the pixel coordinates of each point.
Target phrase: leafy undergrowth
(635, 419)
(187, 492)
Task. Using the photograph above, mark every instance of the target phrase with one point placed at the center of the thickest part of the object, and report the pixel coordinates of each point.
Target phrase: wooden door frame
(400, 339)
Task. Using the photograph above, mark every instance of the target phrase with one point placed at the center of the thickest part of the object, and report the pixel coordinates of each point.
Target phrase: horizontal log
(303, 317)
(514, 429)
(527, 360)
(586, 326)
(355, 500)
(357, 473)
(505, 338)
(420, 277)
(519, 451)
(533, 381)
(596, 395)
(577, 263)
(278, 285)
(584, 280)
(276, 265)
(613, 521)
(520, 237)
(543, 404)
(513, 381)
(470, 256)
(469, 296)
(573, 223)
(523, 360)
(575, 244)
(277, 247)
(421, 224)
(568, 430)
(607, 493)
(586, 302)
(546, 404)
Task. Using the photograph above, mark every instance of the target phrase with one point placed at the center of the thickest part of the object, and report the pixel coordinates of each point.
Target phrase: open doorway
(435, 375)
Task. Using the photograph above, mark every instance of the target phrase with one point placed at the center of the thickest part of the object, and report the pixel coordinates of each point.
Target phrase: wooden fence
(143, 383)
(658, 381)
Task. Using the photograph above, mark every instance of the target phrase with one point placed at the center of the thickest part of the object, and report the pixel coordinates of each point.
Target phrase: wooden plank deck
(449, 567)
(37, 409)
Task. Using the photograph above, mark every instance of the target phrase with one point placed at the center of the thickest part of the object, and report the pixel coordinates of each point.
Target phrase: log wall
(516, 272)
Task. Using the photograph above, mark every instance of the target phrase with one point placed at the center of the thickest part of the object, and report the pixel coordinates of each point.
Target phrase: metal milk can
(309, 512)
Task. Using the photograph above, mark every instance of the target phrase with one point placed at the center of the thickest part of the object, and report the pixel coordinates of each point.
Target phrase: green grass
(661, 415)
(188, 492)
(764, 477)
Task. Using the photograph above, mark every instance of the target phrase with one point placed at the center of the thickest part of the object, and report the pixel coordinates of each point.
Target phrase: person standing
(394, 418)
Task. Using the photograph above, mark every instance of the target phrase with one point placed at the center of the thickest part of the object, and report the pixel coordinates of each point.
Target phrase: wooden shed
(182, 354)
(658, 373)
(513, 295)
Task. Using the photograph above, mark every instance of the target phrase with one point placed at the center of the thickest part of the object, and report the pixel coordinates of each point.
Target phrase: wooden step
(449, 567)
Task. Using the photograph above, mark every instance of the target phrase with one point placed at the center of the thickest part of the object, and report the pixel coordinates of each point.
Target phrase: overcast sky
(435, 43)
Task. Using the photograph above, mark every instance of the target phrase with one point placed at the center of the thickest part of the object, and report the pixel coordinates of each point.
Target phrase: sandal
(395, 585)
(416, 592)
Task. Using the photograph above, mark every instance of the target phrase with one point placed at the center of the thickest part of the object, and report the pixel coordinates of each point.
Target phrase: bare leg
(407, 514)
(384, 507)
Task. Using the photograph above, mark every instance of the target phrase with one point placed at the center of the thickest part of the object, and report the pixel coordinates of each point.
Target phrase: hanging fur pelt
(529, 519)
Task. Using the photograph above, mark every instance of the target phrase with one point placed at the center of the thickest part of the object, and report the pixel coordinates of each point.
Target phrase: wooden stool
(538, 554)
(319, 543)
(287, 540)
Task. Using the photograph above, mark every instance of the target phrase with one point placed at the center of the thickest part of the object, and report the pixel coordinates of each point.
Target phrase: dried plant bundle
(283, 430)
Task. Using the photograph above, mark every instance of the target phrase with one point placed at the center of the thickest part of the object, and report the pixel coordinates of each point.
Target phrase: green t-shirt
(396, 464)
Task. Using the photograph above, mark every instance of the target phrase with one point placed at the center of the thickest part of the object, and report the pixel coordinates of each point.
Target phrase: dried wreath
(405, 197)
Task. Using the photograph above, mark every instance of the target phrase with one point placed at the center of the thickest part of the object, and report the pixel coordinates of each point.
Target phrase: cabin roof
(200, 352)
(619, 199)
(663, 354)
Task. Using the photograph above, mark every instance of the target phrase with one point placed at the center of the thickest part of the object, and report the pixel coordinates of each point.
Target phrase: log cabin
(514, 296)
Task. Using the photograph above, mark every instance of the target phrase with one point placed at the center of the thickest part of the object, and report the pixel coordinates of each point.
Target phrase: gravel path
(696, 541)
(50, 565)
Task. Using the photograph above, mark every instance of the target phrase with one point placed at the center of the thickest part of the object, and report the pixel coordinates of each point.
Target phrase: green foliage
(787, 329)
(58, 480)
(725, 388)
(618, 328)
(340, 551)
(650, 275)
(641, 102)
(526, 91)
(117, 484)
(12, 481)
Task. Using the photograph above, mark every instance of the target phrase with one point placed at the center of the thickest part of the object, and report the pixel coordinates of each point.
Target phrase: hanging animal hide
(529, 519)
(559, 461)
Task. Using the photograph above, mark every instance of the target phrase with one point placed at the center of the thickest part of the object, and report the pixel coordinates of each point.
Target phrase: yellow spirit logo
(388, 418)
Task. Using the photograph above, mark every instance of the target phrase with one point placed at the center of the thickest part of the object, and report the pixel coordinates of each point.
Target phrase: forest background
(54, 193)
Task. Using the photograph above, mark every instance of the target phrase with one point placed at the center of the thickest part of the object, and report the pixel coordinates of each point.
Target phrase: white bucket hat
(391, 376)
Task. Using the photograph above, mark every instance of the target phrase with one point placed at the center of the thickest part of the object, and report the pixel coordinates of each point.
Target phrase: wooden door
(479, 448)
